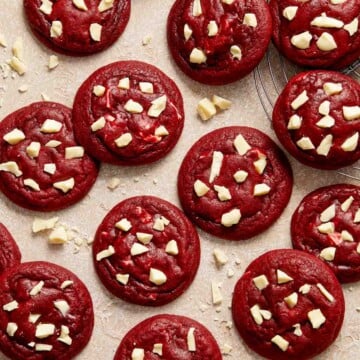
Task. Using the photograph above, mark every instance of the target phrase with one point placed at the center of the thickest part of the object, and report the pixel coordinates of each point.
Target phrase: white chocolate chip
(358, 248)
(161, 131)
(44, 330)
(105, 5)
(172, 248)
(33, 149)
(324, 21)
(326, 42)
(261, 189)
(98, 124)
(332, 88)
(14, 136)
(351, 112)
(240, 176)
(325, 292)
(95, 31)
(32, 184)
(236, 52)
(346, 236)
(144, 238)
(241, 145)
(138, 249)
(266, 314)
(46, 7)
(158, 349)
(65, 186)
(305, 143)
(325, 145)
(17, 65)
(80, 4)
(326, 228)
(23, 88)
(53, 143)
(305, 289)
(283, 277)
(10, 306)
(124, 83)
(357, 216)
(230, 273)
(279, 341)
(220, 102)
(295, 122)
(196, 10)
(33, 318)
(324, 108)
(51, 126)
(43, 224)
(64, 335)
(18, 48)
(157, 106)
(11, 329)
(220, 257)
(187, 32)
(328, 253)
(316, 318)
(146, 87)
(105, 253)
(352, 27)
(217, 297)
(206, 109)
(159, 224)
(326, 121)
(256, 315)
(74, 152)
(289, 12)
(223, 193)
(123, 140)
(212, 28)
(123, 224)
(122, 278)
(62, 306)
(58, 236)
(43, 347)
(200, 188)
(261, 282)
(3, 41)
(216, 164)
(191, 343)
(137, 354)
(337, 2)
(297, 330)
(250, 20)
(260, 165)
(351, 143)
(157, 277)
(66, 284)
(133, 107)
(347, 203)
(300, 100)
(291, 300)
(56, 29)
(228, 2)
(302, 40)
(37, 288)
(231, 218)
(99, 90)
(197, 56)
(11, 167)
(328, 213)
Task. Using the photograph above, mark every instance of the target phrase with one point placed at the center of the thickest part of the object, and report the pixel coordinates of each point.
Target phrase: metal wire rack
(271, 76)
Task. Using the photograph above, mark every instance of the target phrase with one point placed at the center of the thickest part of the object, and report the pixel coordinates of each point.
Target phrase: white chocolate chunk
(187, 32)
(161, 131)
(325, 292)
(316, 318)
(95, 31)
(351, 143)
(33, 318)
(98, 124)
(324, 21)
(11, 329)
(17, 65)
(44, 330)
(31, 344)
(157, 106)
(217, 297)
(220, 102)
(11, 167)
(261, 282)
(146, 87)
(240, 176)
(236, 52)
(65, 186)
(37, 288)
(197, 10)
(302, 40)
(297, 330)
(325, 145)
(10, 306)
(124, 83)
(261, 189)
(133, 107)
(216, 164)
(250, 20)
(105, 5)
(228, 2)
(158, 349)
(266, 314)
(352, 27)
(159, 224)
(62, 306)
(346, 236)
(43, 347)
(3, 41)
(200, 188)
(300, 100)
(326, 121)
(206, 109)
(66, 284)
(32, 184)
(347, 203)
(64, 335)
(191, 344)
(241, 145)
(336, 2)
(197, 56)
(80, 4)
(123, 224)
(326, 42)
(328, 253)
(105, 253)
(295, 122)
(14, 136)
(328, 213)
(283, 277)
(324, 108)
(74, 152)
(33, 149)
(18, 48)
(289, 12)
(51, 126)
(123, 278)
(332, 88)
(357, 216)
(138, 249)
(351, 112)
(53, 143)
(212, 28)
(280, 342)
(326, 228)
(56, 29)
(23, 88)
(46, 7)
(99, 90)
(157, 277)
(291, 300)
(123, 140)
(172, 248)
(58, 236)
(137, 354)
(305, 289)
(231, 218)
(260, 165)
(144, 238)
(223, 193)
(43, 224)
(256, 315)
(220, 257)
(358, 248)
(305, 143)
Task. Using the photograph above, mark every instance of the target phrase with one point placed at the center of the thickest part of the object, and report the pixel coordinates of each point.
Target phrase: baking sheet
(113, 317)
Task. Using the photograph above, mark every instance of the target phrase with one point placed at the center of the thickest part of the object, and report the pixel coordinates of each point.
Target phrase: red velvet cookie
(128, 113)
(288, 305)
(327, 225)
(317, 33)
(317, 119)
(146, 251)
(10, 254)
(234, 182)
(77, 27)
(41, 166)
(169, 337)
(217, 42)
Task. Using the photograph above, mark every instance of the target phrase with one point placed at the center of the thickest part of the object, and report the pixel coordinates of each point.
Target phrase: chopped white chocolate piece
(256, 315)
(324, 108)
(10, 306)
(138, 249)
(33, 318)
(302, 40)
(44, 330)
(357, 216)
(11, 329)
(347, 203)
(56, 29)
(197, 56)
(95, 31)
(98, 124)
(159, 224)
(3, 41)
(53, 143)
(283, 277)
(123, 224)
(65, 186)
(324, 21)
(212, 28)
(289, 12)
(18, 48)
(105, 5)
(133, 107)
(351, 112)
(11, 167)
(223, 193)
(299, 100)
(46, 7)
(261, 189)
(31, 344)
(231, 218)
(250, 20)
(305, 143)
(62, 306)
(228, 2)
(122, 278)
(43, 224)
(191, 343)
(220, 257)
(14, 136)
(291, 300)
(280, 342)
(217, 159)
(297, 330)
(217, 297)
(158, 349)
(328, 213)
(146, 40)
(172, 248)
(74, 152)
(146, 87)
(99, 90)
(241, 145)
(113, 183)
(66, 284)
(260, 165)
(144, 238)
(326, 121)
(351, 143)
(51, 126)
(325, 292)
(105, 253)
(58, 236)
(325, 145)
(157, 106)
(220, 102)
(266, 314)
(157, 277)
(236, 52)
(80, 4)
(32, 184)
(336, 2)
(295, 122)
(240, 176)
(37, 288)
(17, 65)
(316, 318)
(197, 10)
(230, 273)
(206, 109)
(261, 282)
(346, 236)
(328, 253)
(358, 248)
(124, 83)
(305, 289)
(161, 131)
(33, 149)
(137, 354)
(326, 228)
(352, 27)
(332, 88)
(326, 42)
(43, 347)
(123, 140)
(187, 32)
(23, 88)
(64, 335)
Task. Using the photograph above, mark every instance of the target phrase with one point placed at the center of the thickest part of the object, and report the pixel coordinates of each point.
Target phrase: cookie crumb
(220, 257)
(53, 62)
(226, 349)
(146, 40)
(113, 183)
(23, 88)
(230, 273)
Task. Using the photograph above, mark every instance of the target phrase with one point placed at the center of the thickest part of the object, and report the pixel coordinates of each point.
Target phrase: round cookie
(46, 312)
(288, 305)
(146, 251)
(327, 225)
(217, 42)
(128, 113)
(317, 119)
(41, 165)
(172, 337)
(77, 27)
(317, 33)
(10, 254)
(234, 182)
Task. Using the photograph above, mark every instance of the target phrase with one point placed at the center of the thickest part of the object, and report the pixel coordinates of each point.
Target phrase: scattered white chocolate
(18, 48)
(138, 249)
(62, 306)
(95, 31)
(316, 318)
(158, 349)
(33, 318)
(325, 145)
(305, 289)
(187, 32)
(256, 315)
(324, 107)
(11, 329)
(283, 277)
(66, 284)
(223, 193)
(144, 238)
(23, 88)
(46, 7)
(250, 20)
(17, 65)
(212, 28)
(157, 106)
(326, 121)
(305, 143)
(3, 41)
(11, 167)
(261, 282)
(33, 149)
(113, 183)
(74, 152)
(346, 236)
(240, 176)
(345, 206)
(220, 102)
(14, 136)
(146, 87)
(44, 224)
(331, 88)
(280, 342)
(295, 122)
(289, 12)
(99, 90)
(328, 253)
(325, 21)
(137, 354)
(299, 100)
(357, 216)
(236, 52)
(326, 228)
(241, 145)
(197, 56)
(124, 83)
(191, 343)
(297, 331)
(80, 4)
(56, 29)
(220, 257)
(32, 184)
(65, 186)
(51, 126)
(64, 335)
(123, 140)
(328, 213)
(58, 236)
(352, 27)
(206, 109)
(133, 107)
(302, 40)
(123, 278)
(98, 124)
(351, 112)
(197, 10)
(43, 347)
(157, 277)
(10, 306)
(105, 5)
(351, 143)
(123, 224)
(172, 248)
(44, 330)
(217, 297)
(217, 159)
(261, 189)
(326, 42)
(105, 253)
(160, 223)
(53, 143)
(231, 218)
(291, 300)
(260, 165)
(325, 292)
